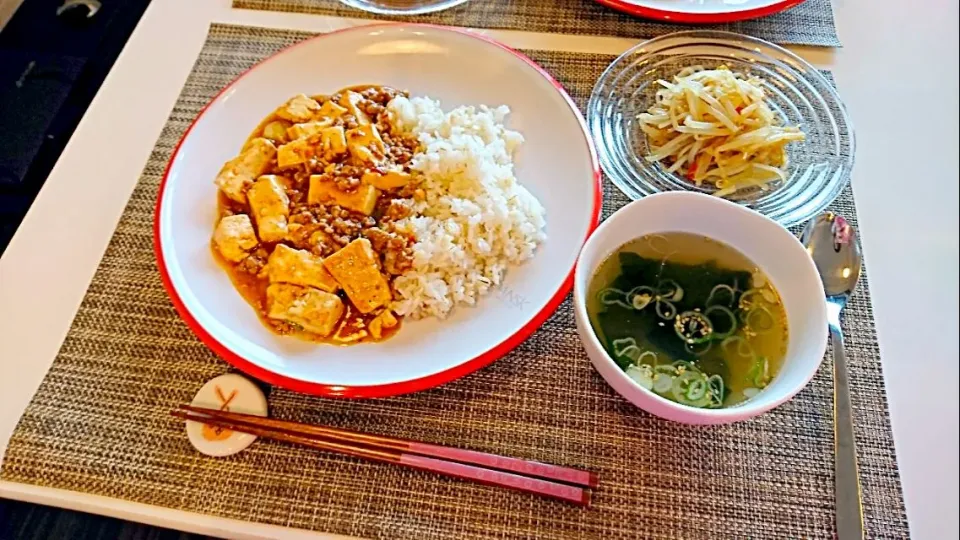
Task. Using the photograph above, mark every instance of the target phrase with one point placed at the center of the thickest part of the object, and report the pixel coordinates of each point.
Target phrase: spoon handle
(849, 507)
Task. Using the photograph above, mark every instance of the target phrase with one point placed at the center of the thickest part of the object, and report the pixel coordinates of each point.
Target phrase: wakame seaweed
(697, 281)
(678, 328)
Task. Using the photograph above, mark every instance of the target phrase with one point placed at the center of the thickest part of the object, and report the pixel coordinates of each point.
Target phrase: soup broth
(689, 318)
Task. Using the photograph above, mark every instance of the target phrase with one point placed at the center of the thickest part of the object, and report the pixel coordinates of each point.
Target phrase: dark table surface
(50, 68)
(24, 521)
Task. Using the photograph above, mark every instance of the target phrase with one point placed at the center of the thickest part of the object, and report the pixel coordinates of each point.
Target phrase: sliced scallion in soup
(689, 318)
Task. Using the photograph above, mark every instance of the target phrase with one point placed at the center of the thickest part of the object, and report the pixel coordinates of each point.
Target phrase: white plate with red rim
(557, 163)
(701, 11)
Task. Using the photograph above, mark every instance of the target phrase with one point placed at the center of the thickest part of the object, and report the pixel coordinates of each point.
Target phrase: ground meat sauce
(323, 229)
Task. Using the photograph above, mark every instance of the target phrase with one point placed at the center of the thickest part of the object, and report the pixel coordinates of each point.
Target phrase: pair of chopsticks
(563, 483)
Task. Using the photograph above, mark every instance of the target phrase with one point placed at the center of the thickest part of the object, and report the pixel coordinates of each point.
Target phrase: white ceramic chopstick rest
(230, 392)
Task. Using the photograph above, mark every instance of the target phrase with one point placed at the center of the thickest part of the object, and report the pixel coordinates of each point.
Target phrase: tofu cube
(308, 129)
(350, 101)
(270, 207)
(355, 267)
(387, 180)
(381, 322)
(365, 143)
(295, 152)
(299, 108)
(276, 131)
(234, 237)
(239, 173)
(324, 191)
(313, 310)
(299, 267)
(333, 141)
(331, 110)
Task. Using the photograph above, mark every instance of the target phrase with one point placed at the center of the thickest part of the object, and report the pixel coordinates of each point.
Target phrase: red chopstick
(528, 476)
(523, 467)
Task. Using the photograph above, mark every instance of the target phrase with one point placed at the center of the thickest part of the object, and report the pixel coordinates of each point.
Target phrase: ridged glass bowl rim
(745, 48)
(413, 10)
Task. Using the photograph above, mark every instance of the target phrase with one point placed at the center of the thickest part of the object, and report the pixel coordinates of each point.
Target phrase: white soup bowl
(771, 247)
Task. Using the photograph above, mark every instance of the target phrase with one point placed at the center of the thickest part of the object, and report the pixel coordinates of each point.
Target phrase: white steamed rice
(476, 218)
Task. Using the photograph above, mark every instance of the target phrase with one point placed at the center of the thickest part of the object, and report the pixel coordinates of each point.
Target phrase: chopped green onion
(645, 354)
(642, 375)
(666, 310)
(670, 369)
(662, 383)
(717, 334)
(640, 301)
(632, 352)
(703, 402)
(681, 365)
(717, 291)
(619, 345)
(717, 390)
(759, 374)
(743, 350)
(668, 289)
(698, 349)
(640, 289)
(747, 300)
(759, 319)
(681, 383)
(693, 327)
(611, 296)
(663, 241)
(690, 388)
(696, 389)
(640, 297)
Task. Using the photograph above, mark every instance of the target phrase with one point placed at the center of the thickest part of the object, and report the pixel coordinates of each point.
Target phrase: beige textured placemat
(810, 23)
(99, 423)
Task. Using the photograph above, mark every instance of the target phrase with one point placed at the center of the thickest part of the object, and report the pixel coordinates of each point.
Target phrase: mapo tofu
(270, 207)
(311, 309)
(357, 269)
(308, 212)
(238, 174)
(299, 267)
(235, 237)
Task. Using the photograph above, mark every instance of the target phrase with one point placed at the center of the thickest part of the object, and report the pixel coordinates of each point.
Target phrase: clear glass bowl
(402, 7)
(818, 168)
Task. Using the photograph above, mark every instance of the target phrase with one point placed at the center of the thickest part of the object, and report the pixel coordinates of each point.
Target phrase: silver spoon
(833, 245)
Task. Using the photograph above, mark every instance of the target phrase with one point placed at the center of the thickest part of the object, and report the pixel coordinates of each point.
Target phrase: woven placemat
(99, 423)
(810, 23)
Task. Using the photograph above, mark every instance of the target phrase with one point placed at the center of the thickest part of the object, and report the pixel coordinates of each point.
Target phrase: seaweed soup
(689, 318)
